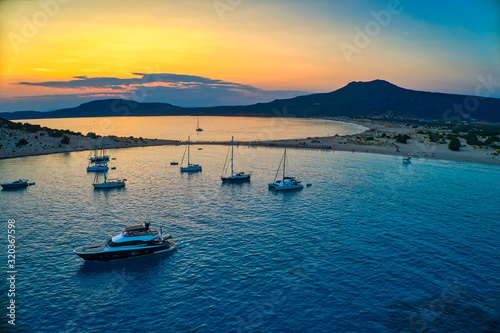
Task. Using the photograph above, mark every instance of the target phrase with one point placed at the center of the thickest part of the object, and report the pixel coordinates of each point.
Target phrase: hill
(358, 99)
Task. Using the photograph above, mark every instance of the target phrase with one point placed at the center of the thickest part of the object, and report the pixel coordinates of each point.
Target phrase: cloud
(142, 79)
(177, 89)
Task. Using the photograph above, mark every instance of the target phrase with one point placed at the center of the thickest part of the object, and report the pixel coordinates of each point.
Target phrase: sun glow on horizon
(271, 46)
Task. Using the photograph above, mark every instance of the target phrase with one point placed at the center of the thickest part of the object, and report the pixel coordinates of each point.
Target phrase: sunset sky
(61, 53)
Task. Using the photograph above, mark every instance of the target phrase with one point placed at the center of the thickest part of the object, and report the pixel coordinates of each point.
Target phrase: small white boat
(235, 177)
(287, 182)
(190, 167)
(198, 129)
(108, 182)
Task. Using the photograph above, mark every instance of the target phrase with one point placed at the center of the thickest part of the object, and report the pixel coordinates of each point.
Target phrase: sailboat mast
(188, 149)
(232, 150)
(284, 164)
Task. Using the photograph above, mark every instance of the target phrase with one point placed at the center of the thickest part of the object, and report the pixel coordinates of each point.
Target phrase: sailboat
(97, 162)
(287, 182)
(237, 177)
(198, 129)
(99, 157)
(190, 167)
(108, 182)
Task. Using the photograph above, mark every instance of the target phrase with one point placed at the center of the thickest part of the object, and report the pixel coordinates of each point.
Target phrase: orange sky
(289, 46)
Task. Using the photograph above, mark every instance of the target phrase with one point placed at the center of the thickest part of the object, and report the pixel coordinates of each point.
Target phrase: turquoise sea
(371, 246)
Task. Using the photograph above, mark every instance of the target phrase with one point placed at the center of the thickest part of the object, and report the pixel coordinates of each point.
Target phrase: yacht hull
(235, 179)
(123, 254)
(190, 169)
(10, 186)
(97, 169)
(108, 185)
(288, 187)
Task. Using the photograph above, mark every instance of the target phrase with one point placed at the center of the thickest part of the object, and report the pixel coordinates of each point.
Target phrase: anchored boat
(198, 129)
(134, 241)
(108, 182)
(236, 177)
(287, 182)
(99, 156)
(190, 167)
(16, 184)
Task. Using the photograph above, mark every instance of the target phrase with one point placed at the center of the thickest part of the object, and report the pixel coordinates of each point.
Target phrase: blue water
(371, 246)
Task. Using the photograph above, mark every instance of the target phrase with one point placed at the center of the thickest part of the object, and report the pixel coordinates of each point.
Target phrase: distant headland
(376, 99)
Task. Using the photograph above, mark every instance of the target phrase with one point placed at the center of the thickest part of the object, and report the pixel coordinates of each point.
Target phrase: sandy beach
(419, 144)
(378, 139)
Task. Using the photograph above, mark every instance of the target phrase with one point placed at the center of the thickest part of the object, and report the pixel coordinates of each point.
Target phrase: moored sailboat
(99, 156)
(287, 182)
(108, 182)
(98, 161)
(190, 167)
(235, 177)
(198, 129)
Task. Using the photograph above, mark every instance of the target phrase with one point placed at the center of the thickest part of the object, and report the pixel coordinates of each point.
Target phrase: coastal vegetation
(402, 138)
(22, 142)
(25, 139)
(476, 142)
(31, 128)
(454, 144)
(479, 135)
(65, 140)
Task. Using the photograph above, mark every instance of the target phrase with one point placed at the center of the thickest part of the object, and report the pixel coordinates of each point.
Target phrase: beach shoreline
(377, 139)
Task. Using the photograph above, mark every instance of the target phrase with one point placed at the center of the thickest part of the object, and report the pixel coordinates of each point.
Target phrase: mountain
(357, 99)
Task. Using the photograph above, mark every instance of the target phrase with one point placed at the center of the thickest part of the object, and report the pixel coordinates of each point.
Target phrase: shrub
(491, 140)
(65, 140)
(55, 133)
(473, 140)
(434, 136)
(454, 144)
(22, 142)
(31, 128)
(402, 138)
